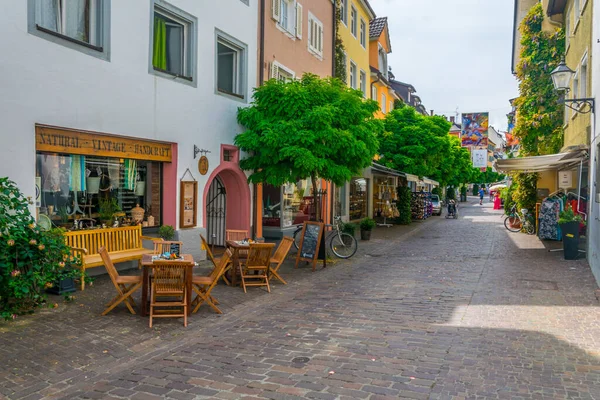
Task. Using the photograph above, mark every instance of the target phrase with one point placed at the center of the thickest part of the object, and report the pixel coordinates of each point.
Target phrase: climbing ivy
(539, 116)
(340, 56)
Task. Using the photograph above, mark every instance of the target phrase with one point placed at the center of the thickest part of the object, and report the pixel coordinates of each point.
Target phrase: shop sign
(203, 165)
(565, 179)
(68, 141)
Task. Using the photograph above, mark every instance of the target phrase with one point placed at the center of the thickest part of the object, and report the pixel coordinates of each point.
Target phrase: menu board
(175, 248)
(312, 246)
(188, 204)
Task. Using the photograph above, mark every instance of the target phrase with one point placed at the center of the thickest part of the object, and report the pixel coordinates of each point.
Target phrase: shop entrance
(216, 212)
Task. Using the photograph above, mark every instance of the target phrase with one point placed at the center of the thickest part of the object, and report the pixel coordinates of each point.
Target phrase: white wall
(47, 83)
(594, 218)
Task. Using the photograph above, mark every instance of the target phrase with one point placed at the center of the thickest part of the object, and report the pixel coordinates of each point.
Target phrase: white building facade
(124, 92)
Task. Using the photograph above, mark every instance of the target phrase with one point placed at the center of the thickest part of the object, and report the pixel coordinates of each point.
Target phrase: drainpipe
(333, 52)
(372, 83)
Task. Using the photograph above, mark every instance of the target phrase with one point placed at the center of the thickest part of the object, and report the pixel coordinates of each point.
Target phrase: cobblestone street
(440, 309)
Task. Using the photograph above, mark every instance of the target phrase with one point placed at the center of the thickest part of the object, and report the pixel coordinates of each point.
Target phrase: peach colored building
(295, 37)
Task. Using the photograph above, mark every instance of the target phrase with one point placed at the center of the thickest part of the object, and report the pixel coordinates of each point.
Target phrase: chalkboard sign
(175, 248)
(311, 246)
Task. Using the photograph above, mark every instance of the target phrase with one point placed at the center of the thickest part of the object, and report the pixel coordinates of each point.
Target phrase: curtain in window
(159, 55)
(47, 14)
(77, 21)
(130, 169)
(77, 182)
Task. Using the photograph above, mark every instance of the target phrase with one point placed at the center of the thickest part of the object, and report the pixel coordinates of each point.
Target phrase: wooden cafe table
(148, 263)
(236, 247)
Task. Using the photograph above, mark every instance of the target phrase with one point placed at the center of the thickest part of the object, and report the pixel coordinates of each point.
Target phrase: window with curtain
(231, 72)
(76, 19)
(172, 45)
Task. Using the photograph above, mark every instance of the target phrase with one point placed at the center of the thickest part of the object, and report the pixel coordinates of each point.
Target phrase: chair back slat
(283, 249)
(110, 267)
(169, 276)
(209, 253)
(260, 254)
(233, 234)
(220, 268)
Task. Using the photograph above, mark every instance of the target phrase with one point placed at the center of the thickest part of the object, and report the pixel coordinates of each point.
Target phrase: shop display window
(340, 200)
(291, 204)
(98, 190)
(358, 198)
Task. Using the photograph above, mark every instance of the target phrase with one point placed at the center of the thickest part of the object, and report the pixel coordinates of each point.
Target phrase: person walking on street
(481, 193)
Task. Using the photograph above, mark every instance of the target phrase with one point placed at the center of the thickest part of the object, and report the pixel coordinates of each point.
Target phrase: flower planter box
(62, 287)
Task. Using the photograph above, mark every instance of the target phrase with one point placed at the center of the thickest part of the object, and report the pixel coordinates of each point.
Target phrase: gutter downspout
(333, 39)
(261, 80)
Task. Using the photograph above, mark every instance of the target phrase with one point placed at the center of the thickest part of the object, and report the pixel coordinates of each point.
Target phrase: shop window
(289, 205)
(78, 24)
(86, 188)
(358, 198)
(231, 66)
(340, 200)
(173, 42)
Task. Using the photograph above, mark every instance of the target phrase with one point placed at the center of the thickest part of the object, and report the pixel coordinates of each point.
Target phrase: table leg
(235, 267)
(145, 279)
(188, 290)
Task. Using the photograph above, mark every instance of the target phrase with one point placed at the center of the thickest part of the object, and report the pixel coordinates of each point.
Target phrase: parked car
(437, 205)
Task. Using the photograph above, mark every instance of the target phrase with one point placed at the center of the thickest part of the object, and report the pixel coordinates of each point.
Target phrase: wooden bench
(123, 244)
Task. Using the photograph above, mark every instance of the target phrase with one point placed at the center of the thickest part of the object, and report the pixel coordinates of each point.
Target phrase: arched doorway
(216, 209)
(227, 199)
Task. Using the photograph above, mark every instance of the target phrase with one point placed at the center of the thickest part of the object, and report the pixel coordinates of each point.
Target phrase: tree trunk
(313, 179)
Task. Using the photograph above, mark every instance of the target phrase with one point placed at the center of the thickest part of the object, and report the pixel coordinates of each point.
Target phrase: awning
(385, 170)
(431, 182)
(412, 178)
(550, 162)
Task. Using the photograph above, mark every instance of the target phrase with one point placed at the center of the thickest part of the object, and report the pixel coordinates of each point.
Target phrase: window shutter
(299, 20)
(274, 71)
(276, 8)
(320, 48)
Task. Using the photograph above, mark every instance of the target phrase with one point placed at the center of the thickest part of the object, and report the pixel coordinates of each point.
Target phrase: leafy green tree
(310, 128)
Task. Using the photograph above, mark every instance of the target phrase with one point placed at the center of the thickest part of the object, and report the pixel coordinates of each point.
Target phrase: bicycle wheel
(529, 227)
(297, 238)
(343, 245)
(513, 223)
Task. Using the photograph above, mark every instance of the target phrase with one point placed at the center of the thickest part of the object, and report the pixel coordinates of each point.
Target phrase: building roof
(367, 6)
(376, 26)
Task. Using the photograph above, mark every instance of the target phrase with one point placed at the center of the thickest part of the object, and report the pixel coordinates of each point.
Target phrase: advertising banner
(479, 158)
(475, 129)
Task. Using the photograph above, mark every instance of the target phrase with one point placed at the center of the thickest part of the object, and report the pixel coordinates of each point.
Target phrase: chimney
(431, 112)
(452, 119)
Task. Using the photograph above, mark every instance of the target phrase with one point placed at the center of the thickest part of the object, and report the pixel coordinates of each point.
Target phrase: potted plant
(64, 281)
(349, 228)
(366, 226)
(167, 232)
(569, 225)
(108, 207)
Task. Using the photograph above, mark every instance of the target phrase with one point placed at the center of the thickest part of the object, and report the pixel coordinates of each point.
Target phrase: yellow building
(576, 17)
(355, 16)
(379, 47)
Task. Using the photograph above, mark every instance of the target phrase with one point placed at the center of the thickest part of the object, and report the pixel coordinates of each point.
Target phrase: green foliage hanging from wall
(525, 192)
(539, 116)
(403, 205)
(340, 55)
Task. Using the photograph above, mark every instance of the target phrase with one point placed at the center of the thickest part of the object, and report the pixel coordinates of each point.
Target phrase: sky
(456, 53)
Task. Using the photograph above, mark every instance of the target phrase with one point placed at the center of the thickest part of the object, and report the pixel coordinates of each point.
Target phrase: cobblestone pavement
(440, 309)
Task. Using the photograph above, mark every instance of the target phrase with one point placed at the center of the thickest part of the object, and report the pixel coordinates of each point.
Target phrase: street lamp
(561, 78)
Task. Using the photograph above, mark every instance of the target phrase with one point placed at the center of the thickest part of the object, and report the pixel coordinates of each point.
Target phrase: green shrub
(367, 224)
(450, 193)
(475, 189)
(349, 228)
(403, 205)
(568, 215)
(31, 260)
(167, 232)
(463, 191)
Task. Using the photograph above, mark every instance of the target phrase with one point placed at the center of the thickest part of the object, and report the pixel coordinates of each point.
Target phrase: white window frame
(363, 82)
(584, 73)
(291, 18)
(568, 28)
(279, 71)
(315, 26)
(99, 45)
(190, 23)
(575, 90)
(576, 14)
(353, 21)
(344, 11)
(363, 33)
(391, 106)
(353, 74)
(374, 92)
(383, 103)
(241, 68)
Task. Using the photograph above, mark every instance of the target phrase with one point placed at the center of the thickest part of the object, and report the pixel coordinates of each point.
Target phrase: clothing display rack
(552, 205)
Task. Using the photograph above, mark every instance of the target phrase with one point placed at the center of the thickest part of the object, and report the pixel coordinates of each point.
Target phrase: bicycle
(343, 245)
(517, 222)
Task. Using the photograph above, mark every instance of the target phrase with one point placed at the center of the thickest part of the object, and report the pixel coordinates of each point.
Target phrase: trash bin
(570, 237)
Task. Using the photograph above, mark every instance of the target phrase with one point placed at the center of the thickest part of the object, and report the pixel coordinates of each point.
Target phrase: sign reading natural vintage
(62, 140)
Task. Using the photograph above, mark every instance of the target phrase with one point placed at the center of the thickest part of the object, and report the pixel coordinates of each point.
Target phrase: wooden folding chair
(164, 246)
(169, 281)
(203, 285)
(125, 285)
(215, 261)
(256, 268)
(233, 234)
(279, 257)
